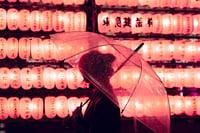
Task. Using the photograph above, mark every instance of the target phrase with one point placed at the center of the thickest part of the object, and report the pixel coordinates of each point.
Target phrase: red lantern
(190, 105)
(23, 1)
(73, 103)
(50, 107)
(2, 48)
(37, 77)
(154, 3)
(4, 78)
(74, 78)
(79, 2)
(168, 49)
(179, 47)
(112, 2)
(189, 77)
(197, 78)
(25, 48)
(122, 2)
(69, 21)
(115, 22)
(175, 3)
(157, 23)
(169, 78)
(37, 108)
(68, 2)
(46, 1)
(190, 51)
(144, 2)
(194, 4)
(14, 78)
(48, 50)
(165, 3)
(12, 48)
(167, 23)
(180, 78)
(36, 48)
(61, 79)
(126, 79)
(197, 56)
(184, 3)
(12, 1)
(58, 22)
(146, 50)
(160, 72)
(103, 22)
(49, 77)
(147, 22)
(100, 2)
(177, 22)
(80, 21)
(26, 78)
(24, 20)
(61, 106)
(2, 19)
(133, 3)
(157, 50)
(179, 105)
(46, 21)
(25, 107)
(196, 23)
(187, 24)
(35, 1)
(137, 25)
(126, 23)
(12, 17)
(3, 108)
(13, 107)
(35, 21)
(57, 2)
(114, 80)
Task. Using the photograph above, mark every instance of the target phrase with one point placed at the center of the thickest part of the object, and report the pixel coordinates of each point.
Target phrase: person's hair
(97, 65)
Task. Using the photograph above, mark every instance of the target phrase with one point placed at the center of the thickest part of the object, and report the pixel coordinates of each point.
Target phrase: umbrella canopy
(136, 88)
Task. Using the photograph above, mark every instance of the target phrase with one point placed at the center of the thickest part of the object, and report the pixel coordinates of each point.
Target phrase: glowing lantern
(4, 78)
(144, 2)
(139, 108)
(187, 24)
(165, 3)
(146, 50)
(25, 107)
(48, 50)
(190, 105)
(197, 105)
(197, 77)
(25, 48)
(26, 78)
(179, 47)
(168, 49)
(49, 77)
(57, 2)
(122, 2)
(147, 23)
(12, 48)
(184, 3)
(50, 106)
(74, 78)
(197, 56)
(13, 107)
(79, 2)
(157, 23)
(58, 22)
(37, 108)
(137, 25)
(194, 4)
(68, 2)
(73, 103)
(100, 2)
(61, 79)
(126, 80)
(14, 78)
(190, 51)
(189, 77)
(2, 19)
(175, 3)
(46, 21)
(171, 103)
(160, 72)
(112, 2)
(180, 78)
(169, 78)
(69, 21)
(46, 1)
(36, 48)
(37, 77)
(133, 3)
(196, 24)
(154, 3)
(2, 48)
(83, 99)
(35, 21)
(103, 22)
(115, 22)
(24, 20)
(126, 23)
(61, 106)
(177, 22)
(179, 105)
(12, 17)
(157, 50)
(3, 108)
(167, 23)
(80, 21)
(11, 1)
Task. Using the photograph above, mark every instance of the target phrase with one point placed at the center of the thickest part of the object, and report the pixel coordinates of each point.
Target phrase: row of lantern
(157, 23)
(55, 2)
(151, 3)
(36, 107)
(46, 20)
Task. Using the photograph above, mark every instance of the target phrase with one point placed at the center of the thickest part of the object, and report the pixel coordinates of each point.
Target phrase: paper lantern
(133, 3)
(34, 1)
(61, 79)
(37, 77)
(23, 1)
(57, 2)
(177, 22)
(2, 48)
(160, 72)
(100, 2)
(197, 77)
(25, 48)
(115, 22)
(12, 1)
(165, 3)
(126, 80)
(68, 2)
(12, 48)
(48, 49)
(189, 77)
(197, 105)
(147, 23)
(26, 78)
(167, 23)
(175, 3)
(112, 2)
(157, 23)
(146, 50)
(179, 105)
(73, 103)
(24, 20)
(144, 2)
(184, 3)
(49, 78)
(103, 22)
(194, 4)
(169, 78)
(187, 24)
(137, 25)
(122, 2)
(157, 50)
(79, 2)
(37, 108)
(139, 108)
(154, 3)
(69, 21)
(190, 51)
(35, 21)
(74, 78)
(180, 78)
(46, 1)
(179, 47)
(3, 108)
(2, 19)
(126, 23)
(58, 22)
(25, 107)
(50, 107)
(196, 23)
(197, 56)
(61, 106)
(13, 107)
(4, 78)
(37, 49)
(168, 49)
(80, 21)
(46, 22)
(190, 105)
(12, 18)
(14, 78)
(172, 105)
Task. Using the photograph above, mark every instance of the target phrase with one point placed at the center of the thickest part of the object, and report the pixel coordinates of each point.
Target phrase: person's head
(97, 65)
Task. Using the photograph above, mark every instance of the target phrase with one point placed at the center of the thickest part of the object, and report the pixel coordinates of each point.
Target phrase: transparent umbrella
(136, 88)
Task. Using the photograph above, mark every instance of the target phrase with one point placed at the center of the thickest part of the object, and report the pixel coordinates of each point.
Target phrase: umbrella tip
(138, 48)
